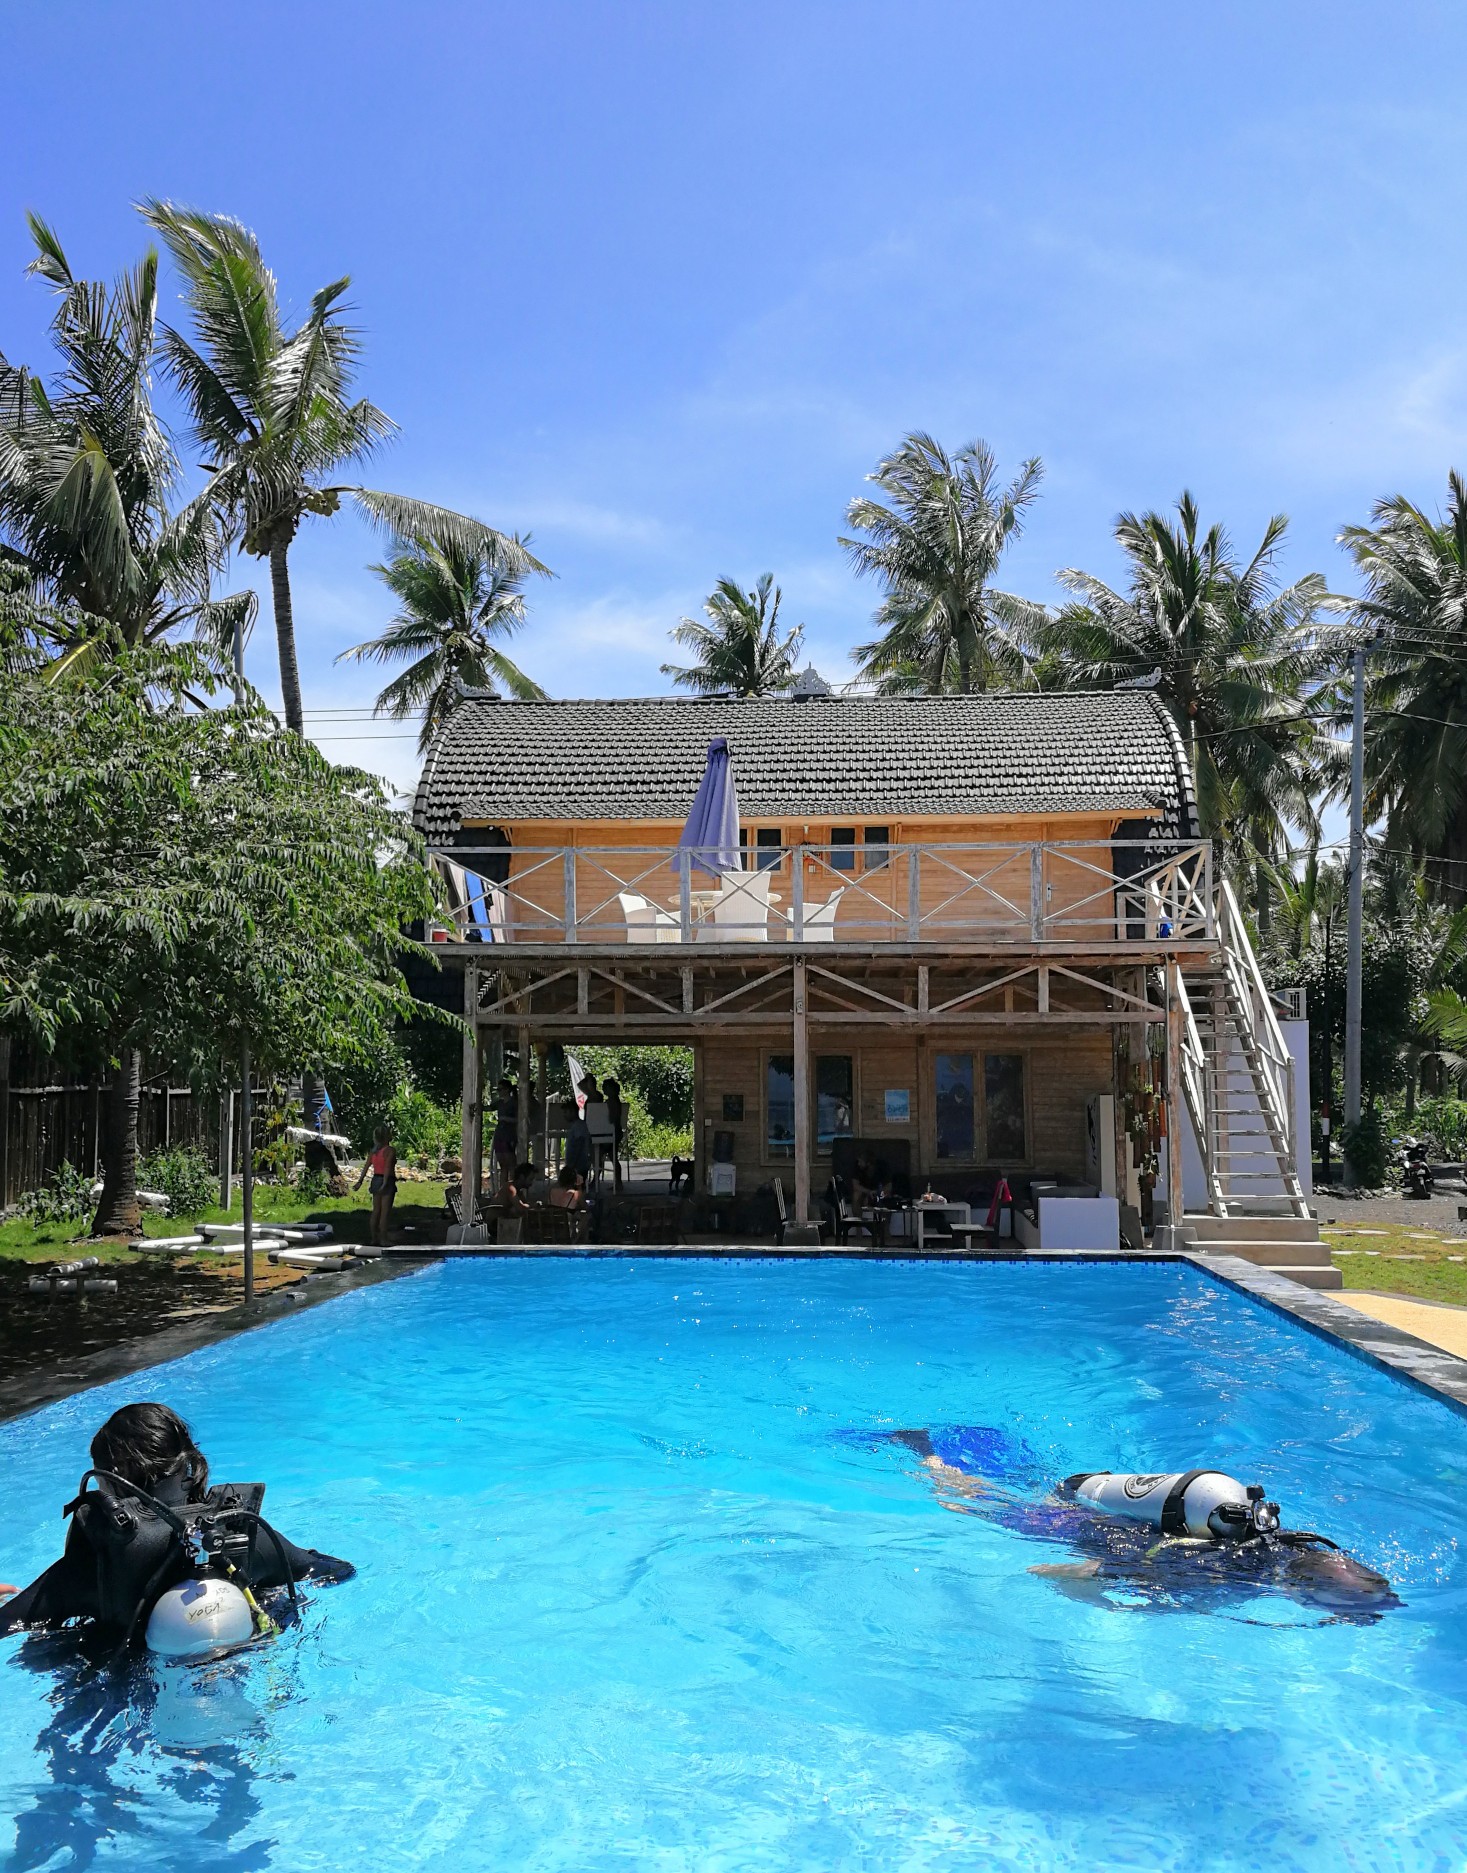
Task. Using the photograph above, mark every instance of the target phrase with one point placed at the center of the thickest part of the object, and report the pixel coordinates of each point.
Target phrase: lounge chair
(645, 923)
(741, 909)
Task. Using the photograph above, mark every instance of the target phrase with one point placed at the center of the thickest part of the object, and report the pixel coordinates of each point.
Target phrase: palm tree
(92, 546)
(739, 650)
(1415, 572)
(456, 603)
(95, 555)
(1230, 653)
(935, 544)
(272, 410)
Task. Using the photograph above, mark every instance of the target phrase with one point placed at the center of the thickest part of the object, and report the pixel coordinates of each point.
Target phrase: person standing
(382, 1167)
(617, 1113)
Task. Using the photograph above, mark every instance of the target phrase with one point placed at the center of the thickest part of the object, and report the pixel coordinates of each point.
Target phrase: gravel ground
(1438, 1213)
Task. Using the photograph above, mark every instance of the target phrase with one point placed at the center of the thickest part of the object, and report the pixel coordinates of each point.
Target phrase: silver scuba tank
(1200, 1503)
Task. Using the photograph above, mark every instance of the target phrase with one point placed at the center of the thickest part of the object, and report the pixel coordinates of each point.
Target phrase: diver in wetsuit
(131, 1538)
(975, 1470)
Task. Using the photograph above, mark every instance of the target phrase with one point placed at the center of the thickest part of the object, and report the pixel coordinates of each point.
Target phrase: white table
(960, 1213)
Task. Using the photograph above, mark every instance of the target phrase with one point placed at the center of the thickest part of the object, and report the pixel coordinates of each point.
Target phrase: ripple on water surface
(628, 1598)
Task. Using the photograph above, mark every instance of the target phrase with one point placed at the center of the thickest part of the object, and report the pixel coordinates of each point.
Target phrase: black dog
(681, 1175)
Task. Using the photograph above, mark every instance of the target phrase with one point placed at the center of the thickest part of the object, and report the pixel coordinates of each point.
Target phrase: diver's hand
(6, 1588)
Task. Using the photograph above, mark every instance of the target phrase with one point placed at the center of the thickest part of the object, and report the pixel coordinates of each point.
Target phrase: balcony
(1081, 894)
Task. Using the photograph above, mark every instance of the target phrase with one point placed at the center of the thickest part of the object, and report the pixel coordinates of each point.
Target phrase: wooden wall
(872, 898)
(1061, 1071)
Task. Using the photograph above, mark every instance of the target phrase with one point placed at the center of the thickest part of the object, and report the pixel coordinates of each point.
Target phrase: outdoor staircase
(1238, 1082)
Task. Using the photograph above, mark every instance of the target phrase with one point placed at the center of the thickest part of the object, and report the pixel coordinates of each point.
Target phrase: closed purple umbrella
(711, 836)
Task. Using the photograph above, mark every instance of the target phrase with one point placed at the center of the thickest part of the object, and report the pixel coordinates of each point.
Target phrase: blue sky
(662, 282)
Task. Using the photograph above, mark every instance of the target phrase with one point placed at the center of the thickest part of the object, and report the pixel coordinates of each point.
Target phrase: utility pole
(1355, 956)
(247, 1169)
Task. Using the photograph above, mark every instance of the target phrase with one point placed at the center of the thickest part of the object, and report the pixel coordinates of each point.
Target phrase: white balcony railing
(1020, 892)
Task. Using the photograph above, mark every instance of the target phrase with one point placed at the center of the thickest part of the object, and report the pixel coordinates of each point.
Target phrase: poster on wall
(898, 1106)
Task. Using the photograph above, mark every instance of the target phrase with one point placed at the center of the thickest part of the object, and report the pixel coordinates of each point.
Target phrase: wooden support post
(473, 1112)
(1043, 1005)
(570, 896)
(1175, 1106)
(687, 981)
(797, 889)
(802, 1095)
(914, 893)
(583, 990)
(685, 897)
(1036, 892)
(924, 988)
(247, 1168)
(700, 1130)
(542, 1095)
(522, 1104)
(226, 1145)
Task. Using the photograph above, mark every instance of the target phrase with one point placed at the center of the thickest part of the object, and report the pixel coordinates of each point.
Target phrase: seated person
(570, 1189)
(535, 1186)
(115, 1583)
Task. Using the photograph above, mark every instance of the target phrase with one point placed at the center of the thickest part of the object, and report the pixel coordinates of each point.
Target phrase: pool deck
(1376, 1340)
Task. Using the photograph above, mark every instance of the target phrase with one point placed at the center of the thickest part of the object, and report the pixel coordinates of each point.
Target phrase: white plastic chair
(645, 922)
(820, 921)
(741, 909)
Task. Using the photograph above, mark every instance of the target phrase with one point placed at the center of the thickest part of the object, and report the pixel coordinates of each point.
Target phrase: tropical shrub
(183, 1175)
(66, 1198)
(1367, 1147)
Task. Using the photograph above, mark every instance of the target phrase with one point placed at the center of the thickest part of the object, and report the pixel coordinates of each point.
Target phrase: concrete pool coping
(1427, 1368)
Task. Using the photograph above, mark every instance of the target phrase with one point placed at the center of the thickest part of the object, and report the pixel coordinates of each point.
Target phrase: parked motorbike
(1416, 1178)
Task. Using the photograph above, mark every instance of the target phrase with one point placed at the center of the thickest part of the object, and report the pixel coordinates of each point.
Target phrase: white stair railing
(1260, 1040)
(1194, 1091)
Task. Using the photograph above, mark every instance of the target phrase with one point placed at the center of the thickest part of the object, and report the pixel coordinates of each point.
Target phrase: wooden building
(958, 918)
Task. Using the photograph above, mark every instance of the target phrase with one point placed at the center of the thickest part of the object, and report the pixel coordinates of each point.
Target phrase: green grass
(1371, 1262)
(350, 1217)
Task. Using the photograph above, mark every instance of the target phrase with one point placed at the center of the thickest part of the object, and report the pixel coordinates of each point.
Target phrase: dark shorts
(384, 1184)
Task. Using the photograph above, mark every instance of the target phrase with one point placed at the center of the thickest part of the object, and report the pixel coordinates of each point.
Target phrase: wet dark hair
(146, 1443)
(569, 1177)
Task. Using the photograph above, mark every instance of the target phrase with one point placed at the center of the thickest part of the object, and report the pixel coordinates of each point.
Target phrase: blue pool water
(628, 1598)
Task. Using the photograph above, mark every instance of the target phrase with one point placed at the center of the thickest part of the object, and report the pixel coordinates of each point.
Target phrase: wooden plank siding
(875, 900)
(1061, 1070)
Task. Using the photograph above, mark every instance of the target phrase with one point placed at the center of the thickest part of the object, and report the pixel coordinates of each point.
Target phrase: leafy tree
(1415, 572)
(1233, 656)
(178, 880)
(739, 651)
(457, 603)
(272, 410)
(936, 543)
(94, 551)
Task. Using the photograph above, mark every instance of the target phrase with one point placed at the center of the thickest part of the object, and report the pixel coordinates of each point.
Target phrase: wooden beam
(522, 1104)
(802, 1096)
(472, 1137)
(1176, 1111)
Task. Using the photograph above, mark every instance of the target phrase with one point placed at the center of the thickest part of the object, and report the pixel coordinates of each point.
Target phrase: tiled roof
(868, 757)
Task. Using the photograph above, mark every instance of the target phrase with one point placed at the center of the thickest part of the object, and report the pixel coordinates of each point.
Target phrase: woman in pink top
(382, 1165)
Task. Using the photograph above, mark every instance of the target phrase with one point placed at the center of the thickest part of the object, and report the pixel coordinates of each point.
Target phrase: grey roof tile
(829, 757)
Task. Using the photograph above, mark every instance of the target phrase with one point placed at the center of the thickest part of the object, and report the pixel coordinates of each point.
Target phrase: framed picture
(898, 1105)
(733, 1107)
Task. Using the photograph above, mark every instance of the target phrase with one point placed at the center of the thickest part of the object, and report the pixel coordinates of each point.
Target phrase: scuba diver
(1192, 1538)
(154, 1547)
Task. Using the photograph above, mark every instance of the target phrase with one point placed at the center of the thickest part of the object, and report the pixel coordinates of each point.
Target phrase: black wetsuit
(74, 1588)
(1132, 1558)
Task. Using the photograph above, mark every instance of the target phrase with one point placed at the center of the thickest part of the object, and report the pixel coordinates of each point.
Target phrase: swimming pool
(628, 1599)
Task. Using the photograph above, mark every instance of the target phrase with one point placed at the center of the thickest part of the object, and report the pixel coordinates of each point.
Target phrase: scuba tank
(186, 1569)
(1199, 1503)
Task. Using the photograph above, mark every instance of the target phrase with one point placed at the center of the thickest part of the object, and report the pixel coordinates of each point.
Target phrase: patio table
(959, 1212)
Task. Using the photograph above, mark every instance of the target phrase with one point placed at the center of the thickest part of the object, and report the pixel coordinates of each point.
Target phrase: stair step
(1270, 1254)
(1254, 1228)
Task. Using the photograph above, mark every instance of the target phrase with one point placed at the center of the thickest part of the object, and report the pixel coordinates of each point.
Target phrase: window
(835, 1102)
(1003, 1108)
(843, 848)
(1000, 1123)
(770, 843)
(955, 1133)
(878, 847)
(779, 1100)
